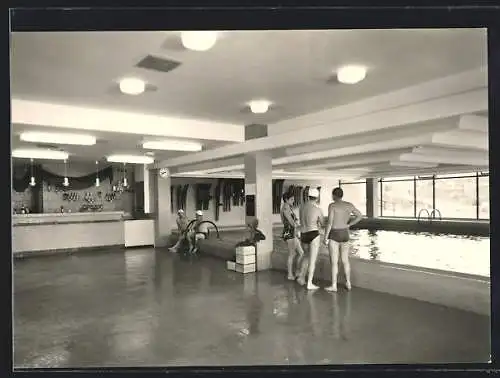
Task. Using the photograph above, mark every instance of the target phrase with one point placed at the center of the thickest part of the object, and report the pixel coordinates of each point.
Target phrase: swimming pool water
(456, 253)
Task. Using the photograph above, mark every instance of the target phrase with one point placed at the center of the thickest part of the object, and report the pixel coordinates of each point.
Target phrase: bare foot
(301, 281)
(332, 288)
(348, 285)
(291, 278)
(172, 249)
(311, 286)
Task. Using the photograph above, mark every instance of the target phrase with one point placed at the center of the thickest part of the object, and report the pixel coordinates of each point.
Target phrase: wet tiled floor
(152, 308)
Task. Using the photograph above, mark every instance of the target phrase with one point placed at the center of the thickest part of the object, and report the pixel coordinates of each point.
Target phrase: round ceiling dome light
(351, 74)
(199, 40)
(132, 86)
(259, 107)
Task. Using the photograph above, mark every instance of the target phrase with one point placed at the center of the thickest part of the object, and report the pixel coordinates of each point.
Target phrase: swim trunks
(309, 236)
(339, 235)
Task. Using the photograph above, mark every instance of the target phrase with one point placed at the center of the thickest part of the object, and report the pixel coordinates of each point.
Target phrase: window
(484, 197)
(464, 196)
(424, 194)
(397, 198)
(456, 197)
(355, 192)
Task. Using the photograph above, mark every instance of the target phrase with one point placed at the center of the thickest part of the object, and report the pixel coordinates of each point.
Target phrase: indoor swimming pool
(456, 253)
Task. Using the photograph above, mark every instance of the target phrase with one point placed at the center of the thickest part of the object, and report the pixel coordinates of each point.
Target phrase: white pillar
(160, 202)
(147, 190)
(258, 176)
(372, 198)
(258, 171)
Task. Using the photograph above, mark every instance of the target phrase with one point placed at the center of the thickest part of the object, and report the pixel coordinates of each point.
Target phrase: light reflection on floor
(152, 308)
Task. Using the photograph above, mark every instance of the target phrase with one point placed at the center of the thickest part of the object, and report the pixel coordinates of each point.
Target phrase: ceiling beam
(461, 139)
(473, 123)
(390, 144)
(213, 166)
(401, 132)
(70, 117)
(424, 171)
(472, 101)
(412, 164)
(450, 152)
(456, 160)
(358, 160)
(442, 87)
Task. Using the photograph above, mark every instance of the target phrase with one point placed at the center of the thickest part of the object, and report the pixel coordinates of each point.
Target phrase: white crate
(245, 259)
(245, 268)
(245, 251)
(231, 265)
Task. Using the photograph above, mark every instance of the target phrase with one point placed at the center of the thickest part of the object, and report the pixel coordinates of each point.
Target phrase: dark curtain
(22, 174)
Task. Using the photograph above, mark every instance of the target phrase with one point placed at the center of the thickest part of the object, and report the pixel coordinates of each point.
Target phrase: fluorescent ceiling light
(260, 106)
(132, 86)
(172, 145)
(198, 40)
(25, 153)
(75, 139)
(132, 159)
(351, 74)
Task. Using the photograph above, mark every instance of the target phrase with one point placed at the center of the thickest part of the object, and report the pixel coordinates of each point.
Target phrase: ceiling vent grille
(154, 63)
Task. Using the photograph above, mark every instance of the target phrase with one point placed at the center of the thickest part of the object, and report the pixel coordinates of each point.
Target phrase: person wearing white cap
(337, 235)
(200, 231)
(311, 219)
(182, 223)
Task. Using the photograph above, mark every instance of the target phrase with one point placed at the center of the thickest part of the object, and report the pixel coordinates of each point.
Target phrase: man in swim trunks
(200, 231)
(290, 235)
(337, 235)
(182, 223)
(311, 219)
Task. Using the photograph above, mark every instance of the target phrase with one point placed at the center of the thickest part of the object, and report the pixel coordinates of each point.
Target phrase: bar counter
(70, 232)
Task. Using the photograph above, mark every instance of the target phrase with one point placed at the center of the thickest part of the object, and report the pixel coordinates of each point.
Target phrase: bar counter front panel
(75, 231)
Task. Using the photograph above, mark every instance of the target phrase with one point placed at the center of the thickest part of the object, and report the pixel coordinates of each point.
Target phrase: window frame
(434, 178)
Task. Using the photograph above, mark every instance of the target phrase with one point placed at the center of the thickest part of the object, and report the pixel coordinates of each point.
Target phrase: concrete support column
(259, 189)
(372, 198)
(160, 202)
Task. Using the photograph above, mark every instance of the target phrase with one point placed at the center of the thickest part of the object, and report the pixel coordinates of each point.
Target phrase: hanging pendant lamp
(66, 180)
(32, 179)
(125, 183)
(97, 182)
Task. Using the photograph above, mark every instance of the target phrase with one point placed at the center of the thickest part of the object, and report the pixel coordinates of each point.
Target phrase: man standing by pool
(337, 235)
(311, 219)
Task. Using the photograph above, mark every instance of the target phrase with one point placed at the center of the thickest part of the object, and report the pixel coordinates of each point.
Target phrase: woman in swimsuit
(291, 234)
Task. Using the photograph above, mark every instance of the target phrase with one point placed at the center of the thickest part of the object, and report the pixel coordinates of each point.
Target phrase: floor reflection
(155, 308)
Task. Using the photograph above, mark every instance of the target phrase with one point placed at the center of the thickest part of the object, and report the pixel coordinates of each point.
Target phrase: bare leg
(333, 248)
(300, 251)
(303, 267)
(344, 255)
(291, 256)
(313, 256)
(190, 239)
(177, 245)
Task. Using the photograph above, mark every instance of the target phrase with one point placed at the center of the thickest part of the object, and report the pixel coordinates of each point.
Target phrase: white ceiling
(290, 68)
(293, 69)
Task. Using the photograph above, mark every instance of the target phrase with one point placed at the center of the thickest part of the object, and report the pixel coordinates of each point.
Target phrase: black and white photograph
(225, 198)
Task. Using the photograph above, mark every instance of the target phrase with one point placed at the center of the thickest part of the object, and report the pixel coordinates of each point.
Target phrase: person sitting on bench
(182, 223)
(199, 232)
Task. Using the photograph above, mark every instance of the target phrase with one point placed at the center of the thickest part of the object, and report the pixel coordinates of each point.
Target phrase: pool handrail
(420, 212)
(433, 214)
